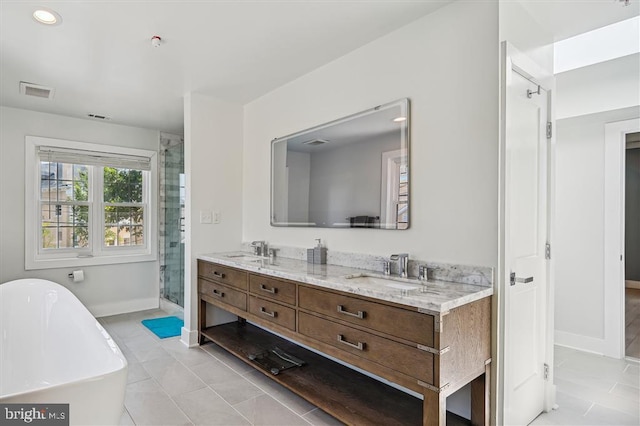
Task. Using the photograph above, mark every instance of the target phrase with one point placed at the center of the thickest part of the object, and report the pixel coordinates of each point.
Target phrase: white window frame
(97, 253)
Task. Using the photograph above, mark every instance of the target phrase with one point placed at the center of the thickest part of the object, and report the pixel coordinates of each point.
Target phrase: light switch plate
(216, 217)
(206, 216)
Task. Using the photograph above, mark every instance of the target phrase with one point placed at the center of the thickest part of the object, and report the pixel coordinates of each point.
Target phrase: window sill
(74, 262)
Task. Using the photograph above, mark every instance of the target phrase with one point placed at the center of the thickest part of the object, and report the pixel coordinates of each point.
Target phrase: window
(90, 204)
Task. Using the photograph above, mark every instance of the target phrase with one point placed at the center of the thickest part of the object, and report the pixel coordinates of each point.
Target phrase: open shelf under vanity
(342, 392)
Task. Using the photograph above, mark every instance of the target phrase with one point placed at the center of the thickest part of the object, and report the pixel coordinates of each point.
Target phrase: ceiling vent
(315, 142)
(98, 116)
(30, 89)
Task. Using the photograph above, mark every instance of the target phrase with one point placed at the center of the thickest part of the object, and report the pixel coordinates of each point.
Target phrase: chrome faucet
(403, 263)
(259, 248)
(423, 272)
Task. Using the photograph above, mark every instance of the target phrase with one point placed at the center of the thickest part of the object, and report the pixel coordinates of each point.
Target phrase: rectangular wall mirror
(349, 173)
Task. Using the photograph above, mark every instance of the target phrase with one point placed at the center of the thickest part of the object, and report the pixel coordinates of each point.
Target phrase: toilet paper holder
(77, 276)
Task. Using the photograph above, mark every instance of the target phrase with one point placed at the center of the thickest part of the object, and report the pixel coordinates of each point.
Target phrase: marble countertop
(429, 296)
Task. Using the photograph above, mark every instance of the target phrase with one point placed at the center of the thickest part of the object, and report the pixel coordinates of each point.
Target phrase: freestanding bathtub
(52, 350)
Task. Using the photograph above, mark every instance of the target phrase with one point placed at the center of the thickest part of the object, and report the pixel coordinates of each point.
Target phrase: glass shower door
(174, 225)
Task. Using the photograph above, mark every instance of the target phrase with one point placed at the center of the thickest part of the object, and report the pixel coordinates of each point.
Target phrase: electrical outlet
(216, 217)
(206, 216)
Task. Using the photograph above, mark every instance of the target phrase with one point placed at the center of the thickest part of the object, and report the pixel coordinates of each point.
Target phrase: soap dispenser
(318, 254)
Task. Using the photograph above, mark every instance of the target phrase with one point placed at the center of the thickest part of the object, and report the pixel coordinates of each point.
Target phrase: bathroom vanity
(432, 339)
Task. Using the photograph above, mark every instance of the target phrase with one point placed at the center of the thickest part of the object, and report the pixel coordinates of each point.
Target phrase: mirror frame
(405, 144)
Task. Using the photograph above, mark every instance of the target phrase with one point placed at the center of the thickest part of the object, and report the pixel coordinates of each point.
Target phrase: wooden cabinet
(272, 288)
(432, 353)
(223, 274)
(273, 312)
(383, 351)
(224, 294)
(394, 321)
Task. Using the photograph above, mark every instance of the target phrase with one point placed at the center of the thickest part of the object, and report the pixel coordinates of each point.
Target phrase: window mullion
(97, 215)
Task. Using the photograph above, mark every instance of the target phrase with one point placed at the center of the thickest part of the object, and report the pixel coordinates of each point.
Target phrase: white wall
(446, 63)
(606, 86)
(579, 244)
(587, 99)
(213, 178)
(521, 30)
(298, 169)
(108, 289)
(346, 181)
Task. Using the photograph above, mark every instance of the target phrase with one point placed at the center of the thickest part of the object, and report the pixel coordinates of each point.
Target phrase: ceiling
(568, 18)
(100, 59)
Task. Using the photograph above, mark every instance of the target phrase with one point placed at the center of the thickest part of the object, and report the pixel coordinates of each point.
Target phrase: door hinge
(546, 371)
(547, 251)
(549, 130)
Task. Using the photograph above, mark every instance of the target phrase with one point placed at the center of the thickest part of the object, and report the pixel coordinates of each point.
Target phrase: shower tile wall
(171, 219)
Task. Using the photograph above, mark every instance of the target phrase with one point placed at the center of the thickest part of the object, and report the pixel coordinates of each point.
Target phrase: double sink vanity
(430, 337)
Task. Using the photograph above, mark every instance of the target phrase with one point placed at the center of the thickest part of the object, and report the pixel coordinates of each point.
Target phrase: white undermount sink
(404, 284)
(243, 256)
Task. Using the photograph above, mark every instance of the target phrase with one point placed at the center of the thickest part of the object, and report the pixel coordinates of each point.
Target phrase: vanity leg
(202, 321)
(480, 398)
(434, 409)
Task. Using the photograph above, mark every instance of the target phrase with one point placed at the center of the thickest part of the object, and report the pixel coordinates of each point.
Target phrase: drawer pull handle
(218, 293)
(359, 346)
(267, 313)
(359, 314)
(218, 275)
(268, 290)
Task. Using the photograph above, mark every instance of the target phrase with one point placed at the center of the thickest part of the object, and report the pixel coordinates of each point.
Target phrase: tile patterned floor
(594, 390)
(632, 322)
(169, 384)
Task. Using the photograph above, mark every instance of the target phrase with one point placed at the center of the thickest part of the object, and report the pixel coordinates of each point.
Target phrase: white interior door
(525, 239)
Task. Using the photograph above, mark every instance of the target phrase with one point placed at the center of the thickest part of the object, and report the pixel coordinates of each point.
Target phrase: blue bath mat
(164, 327)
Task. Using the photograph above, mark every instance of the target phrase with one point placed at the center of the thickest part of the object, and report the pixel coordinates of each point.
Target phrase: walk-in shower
(172, 219)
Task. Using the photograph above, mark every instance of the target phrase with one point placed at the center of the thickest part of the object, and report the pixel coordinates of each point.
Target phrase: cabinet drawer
(272, 288)
(223, 274)
(273, 312)
(223, 293)
(394, 355)
(409, 325)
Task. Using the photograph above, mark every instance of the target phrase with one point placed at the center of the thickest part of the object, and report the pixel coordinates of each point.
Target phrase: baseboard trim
(124, 307)
(580, 342)
(189, 337)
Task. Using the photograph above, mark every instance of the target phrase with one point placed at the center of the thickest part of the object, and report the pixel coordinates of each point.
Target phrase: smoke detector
(31, 89)
(156, 40)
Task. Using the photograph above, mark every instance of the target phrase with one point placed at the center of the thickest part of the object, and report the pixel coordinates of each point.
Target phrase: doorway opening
(632, 245)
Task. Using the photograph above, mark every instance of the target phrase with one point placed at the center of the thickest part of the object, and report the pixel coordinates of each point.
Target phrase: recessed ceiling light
(400, 119)
(315, 142)
(47, 17)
